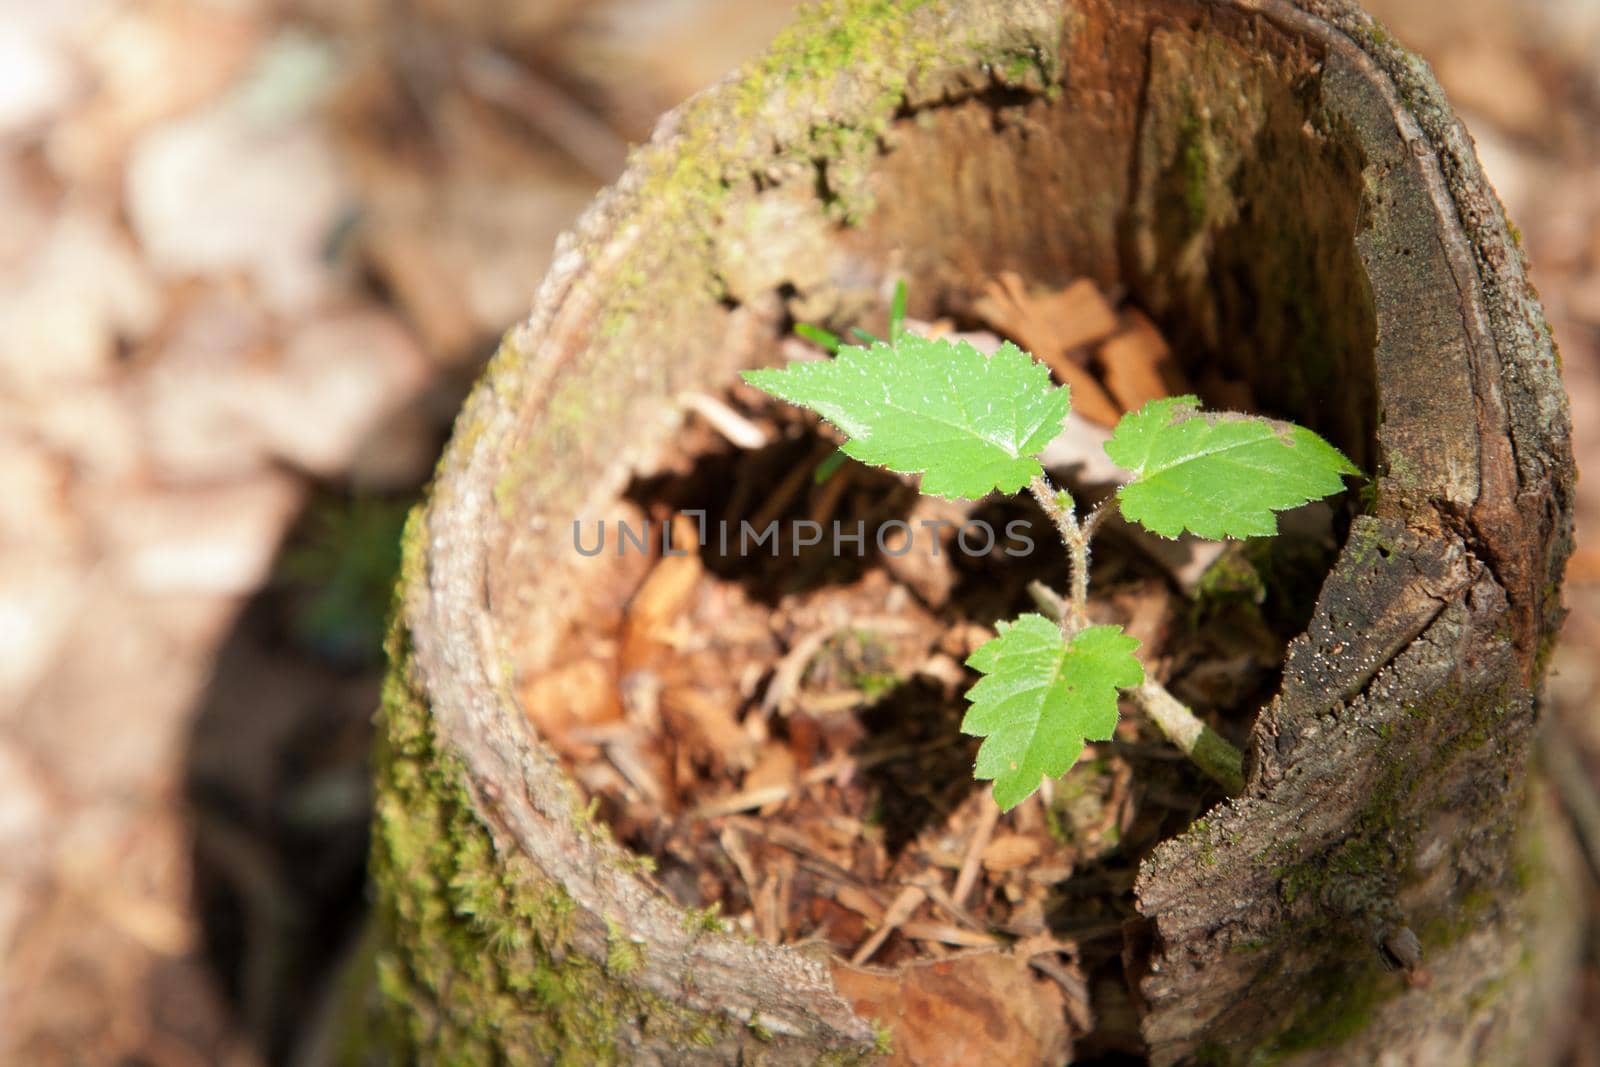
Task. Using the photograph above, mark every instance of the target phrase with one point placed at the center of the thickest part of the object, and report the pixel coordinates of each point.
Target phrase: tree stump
(1285, 190)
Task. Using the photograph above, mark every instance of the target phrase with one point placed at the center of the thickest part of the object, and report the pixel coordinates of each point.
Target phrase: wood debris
(904, 906)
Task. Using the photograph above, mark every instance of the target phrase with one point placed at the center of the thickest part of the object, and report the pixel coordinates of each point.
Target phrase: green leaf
(968, 423)
(1040, 697)
(1218, 475)
(897, 313)
(823, 339)
(828, 467)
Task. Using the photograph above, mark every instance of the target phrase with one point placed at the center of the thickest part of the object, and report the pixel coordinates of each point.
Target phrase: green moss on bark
(1349, 894)
(812, 113)
(475, 964)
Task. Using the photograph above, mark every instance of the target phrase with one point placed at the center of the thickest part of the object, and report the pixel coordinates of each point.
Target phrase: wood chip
(822, 704)
(946, 671)
(1049, 874)
(1010, 851)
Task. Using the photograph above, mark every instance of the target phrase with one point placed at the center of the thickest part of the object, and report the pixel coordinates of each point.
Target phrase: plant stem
(1206, 749)
(1077, 543)
(1102, 511)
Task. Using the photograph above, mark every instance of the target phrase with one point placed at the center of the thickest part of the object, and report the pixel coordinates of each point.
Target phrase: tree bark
(1287, 192)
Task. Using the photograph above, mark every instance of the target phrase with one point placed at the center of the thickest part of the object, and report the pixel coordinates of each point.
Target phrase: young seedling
(972, 425)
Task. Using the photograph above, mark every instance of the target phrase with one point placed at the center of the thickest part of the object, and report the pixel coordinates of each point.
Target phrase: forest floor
(252, 253)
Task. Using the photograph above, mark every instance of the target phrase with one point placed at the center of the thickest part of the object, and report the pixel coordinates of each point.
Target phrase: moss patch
(1340, 1008)
(475, 964)
(809, 115)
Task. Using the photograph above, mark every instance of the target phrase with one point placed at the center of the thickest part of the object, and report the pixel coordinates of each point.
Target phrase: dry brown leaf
(774, 766)
(1137, 364)
(707, 727)
(1037, 326)
(979, 1008)
(662, 598)
(1089, 398)
(1080, 315)
(581, 693)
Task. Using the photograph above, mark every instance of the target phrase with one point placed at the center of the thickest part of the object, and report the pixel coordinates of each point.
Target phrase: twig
(735, 850)
(905, 905)
(774, 833)
(1047, 600)
(786, 677)
(729, 423)
(744, 800)
(1206, 748)
(946, 934)
(1077, 993)
(625, 758)
(968, 876)
(859, 901)
(765, 906)
(946, 902)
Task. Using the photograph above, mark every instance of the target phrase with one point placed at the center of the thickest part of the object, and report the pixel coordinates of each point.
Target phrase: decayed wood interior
(1188, 160)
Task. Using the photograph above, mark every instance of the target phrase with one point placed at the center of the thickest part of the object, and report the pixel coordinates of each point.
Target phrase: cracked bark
(1286, 191)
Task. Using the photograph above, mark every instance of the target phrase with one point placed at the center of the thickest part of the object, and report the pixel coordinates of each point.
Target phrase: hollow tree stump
(1285, 190)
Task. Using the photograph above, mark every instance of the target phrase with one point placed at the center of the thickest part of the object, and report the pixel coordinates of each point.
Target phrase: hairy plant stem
(1076, 538)
(1208, 750)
